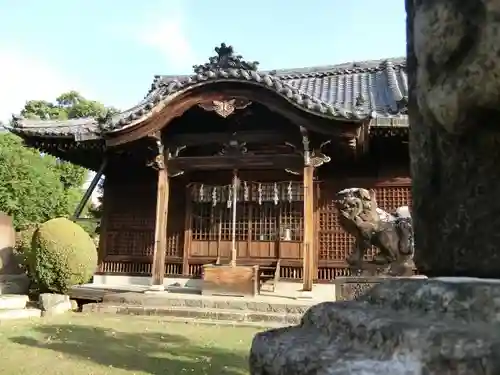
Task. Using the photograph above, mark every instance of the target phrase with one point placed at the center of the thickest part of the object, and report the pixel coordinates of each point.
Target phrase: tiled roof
(164, 91)
(78, 129)
(352, 91)
(376, 86)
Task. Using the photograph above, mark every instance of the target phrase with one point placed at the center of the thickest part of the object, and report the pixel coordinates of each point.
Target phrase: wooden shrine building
(265, 150)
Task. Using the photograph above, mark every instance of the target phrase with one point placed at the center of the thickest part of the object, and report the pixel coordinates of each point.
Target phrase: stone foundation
(409, 327)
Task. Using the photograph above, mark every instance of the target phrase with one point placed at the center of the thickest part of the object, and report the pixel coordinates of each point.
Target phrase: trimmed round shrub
(63, 255)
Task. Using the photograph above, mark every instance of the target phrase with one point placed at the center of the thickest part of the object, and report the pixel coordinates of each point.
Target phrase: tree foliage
(69, 105)
(30, 184)
(34, 187)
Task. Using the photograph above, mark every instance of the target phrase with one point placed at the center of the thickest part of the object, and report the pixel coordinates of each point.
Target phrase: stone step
(231, 315)
(13, 301)
(20, 314)
(165, 299)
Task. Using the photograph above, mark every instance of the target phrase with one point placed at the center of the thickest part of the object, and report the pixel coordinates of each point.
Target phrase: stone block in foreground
(54, 304)
(400, 327)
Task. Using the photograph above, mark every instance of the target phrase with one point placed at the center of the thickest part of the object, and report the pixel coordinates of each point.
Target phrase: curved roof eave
(166, 92)
(75, 129)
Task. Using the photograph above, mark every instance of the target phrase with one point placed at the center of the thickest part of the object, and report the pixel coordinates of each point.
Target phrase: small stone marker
(54, 304)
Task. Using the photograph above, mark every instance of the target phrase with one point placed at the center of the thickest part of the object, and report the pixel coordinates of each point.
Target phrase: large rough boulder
(454, 110)
(409, 327)
(63, 255)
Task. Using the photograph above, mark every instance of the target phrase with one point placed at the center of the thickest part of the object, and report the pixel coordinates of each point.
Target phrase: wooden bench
(269, 273)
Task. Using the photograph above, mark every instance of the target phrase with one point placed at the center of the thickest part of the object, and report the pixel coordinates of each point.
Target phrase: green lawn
(79, 344)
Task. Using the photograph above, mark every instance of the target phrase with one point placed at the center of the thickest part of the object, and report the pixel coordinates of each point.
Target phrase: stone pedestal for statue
(352, 287)
(409, 327)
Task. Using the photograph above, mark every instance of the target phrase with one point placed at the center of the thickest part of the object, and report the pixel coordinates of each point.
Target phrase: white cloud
(169, 39)
(24, 77)
(167, 34)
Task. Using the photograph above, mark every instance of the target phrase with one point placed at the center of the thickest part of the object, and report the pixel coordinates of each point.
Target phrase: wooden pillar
(103, 226)
(234, 187)
(308, 236)
(187, 234)
(160, 245)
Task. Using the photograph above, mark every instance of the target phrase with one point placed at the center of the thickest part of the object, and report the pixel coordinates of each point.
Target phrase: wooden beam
(308, 236)
(162, 200)
(89, 191)
(291, 161)
(221, 138)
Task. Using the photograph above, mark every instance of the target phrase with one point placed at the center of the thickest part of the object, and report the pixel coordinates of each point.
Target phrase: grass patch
(80, 344)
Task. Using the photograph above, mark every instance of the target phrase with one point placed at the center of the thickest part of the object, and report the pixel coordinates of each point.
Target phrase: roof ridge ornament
(225, 59)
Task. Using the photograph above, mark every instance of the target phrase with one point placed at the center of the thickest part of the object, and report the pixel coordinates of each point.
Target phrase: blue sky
(109, 50)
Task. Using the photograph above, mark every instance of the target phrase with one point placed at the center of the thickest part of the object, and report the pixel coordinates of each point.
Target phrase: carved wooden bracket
(161, 157)
(314, 157)
(226, 107)
(318, 158)
(158, 161)
(234, 147)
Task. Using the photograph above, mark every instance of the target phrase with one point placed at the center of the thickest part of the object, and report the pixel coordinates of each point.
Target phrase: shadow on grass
(150, 352)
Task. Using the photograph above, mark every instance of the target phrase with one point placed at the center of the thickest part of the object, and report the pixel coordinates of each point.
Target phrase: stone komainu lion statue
(391, 234)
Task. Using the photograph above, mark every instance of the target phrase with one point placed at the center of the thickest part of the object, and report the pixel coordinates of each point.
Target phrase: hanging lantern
(259, 189)
(276, 197)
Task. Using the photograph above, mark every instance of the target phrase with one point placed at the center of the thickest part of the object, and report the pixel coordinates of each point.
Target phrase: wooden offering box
(226, 280)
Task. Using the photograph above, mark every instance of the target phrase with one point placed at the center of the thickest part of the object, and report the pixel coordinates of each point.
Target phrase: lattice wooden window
(291, 221)
(265, 221)
(242, 221)
(271, 222)
(214, 222)
(390, 198)
(265, 211)
(203, 222)
(130, 224)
